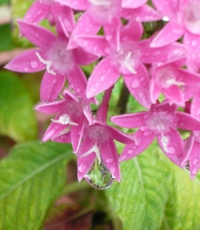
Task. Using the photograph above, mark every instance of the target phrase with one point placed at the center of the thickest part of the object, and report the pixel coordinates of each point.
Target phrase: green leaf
(4, 1)
(140, 198)
(155, 194)
(17, 118)
(31, 178)
(5, 38)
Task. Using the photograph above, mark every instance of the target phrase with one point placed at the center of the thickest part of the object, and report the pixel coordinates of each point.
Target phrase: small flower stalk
(160, 68)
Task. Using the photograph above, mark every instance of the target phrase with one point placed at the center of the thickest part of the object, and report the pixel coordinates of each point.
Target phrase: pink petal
(83, 27)
(188, 144)
(83, 57)
(84, 163)
(138, 85)
(172, 145)
(97, 45)
(174, 94)
(77, 80)
(170, 33)
(51, 107)
(187, 122)
(119, 136)
(188, 78)
(103, 77)
(130, 120)
(141, 141)
(154, 91)
(62, 138)
(26, 62)
(132, 31)
(75, 4)
(37, 12)
(194, 160)
(141, 14)
(51, 86)
(110, 158)
(132, 4)
(38, 35)
(195, 106)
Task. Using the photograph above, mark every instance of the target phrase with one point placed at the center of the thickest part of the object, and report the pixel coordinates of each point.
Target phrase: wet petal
(154, 91)
(195, 109)
(187, 122)
(62, 138)
(119, 136)
(26, 62)
(83, 57)
(188, 144)
(38, 35)
(103, 77)
(51, 107)
(37, 12)
(132, 4)
(172, 145)
(194, 160)
(174, 94)
(138, 85)
(132, 31)
(130, 120)
(75, 4)
(110, 158)
(51, 86)
(85, 163)
(170, 33)
(142, 139)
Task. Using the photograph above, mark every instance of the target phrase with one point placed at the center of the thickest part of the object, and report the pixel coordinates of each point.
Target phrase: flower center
(98, 133)
(160, 122)
(64, 120)
(192, 16)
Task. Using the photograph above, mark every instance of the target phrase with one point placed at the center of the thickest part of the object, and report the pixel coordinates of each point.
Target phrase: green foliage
(17, 118)
(6, 42)
(31, 178)
(155, 195)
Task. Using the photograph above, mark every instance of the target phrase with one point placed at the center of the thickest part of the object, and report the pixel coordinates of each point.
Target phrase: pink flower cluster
(161, 72)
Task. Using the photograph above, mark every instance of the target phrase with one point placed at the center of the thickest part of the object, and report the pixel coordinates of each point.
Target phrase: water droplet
(34, 64)
(194, 43)
(85, 43)
(54, 81)
(109, 37)
(26, 69)
(130, 151)
(109, 160)
(196, 161)
(171, 150)
(82, 167)
(99, 176)
(102, 78)
(194, 171)
(135, 83)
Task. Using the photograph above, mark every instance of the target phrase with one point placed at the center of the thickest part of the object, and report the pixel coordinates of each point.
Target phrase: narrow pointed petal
(110, 158)
(77, 80)
(83, 57)
(188, 144)
(75, 134)
(170, 33)
(85, 163)
(195, 109)
(75, 4)
(37, 12)
(103, 77)
(130, 120)
(52, 107)
(84, 27)
(140, 143)
(138, 85)
(26, 62)
(38, 35)
(96, 45)
(119, 136)
(154, 91)
(132, 31)
(51, 86)
(194, 160)
(188, 78)
(132, 4)
(62, 138)
(172, 145)
(187, 122)
(174, 94)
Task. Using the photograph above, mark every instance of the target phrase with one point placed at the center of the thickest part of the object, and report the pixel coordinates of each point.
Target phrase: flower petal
(103, 77)
(26, 62)
(195, 109)
(75, 4)
(38, 35)
(119, 136)
(110, 158)
(141, 141)
(172, 145)
(83, 57)
(187, 122)
(51, 86)
(132, 4)
(170, 33)
(132, 31)
(51, 107)
(194, 160)
(174, 94)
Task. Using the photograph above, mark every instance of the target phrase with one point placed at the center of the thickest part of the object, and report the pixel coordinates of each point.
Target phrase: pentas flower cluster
(161, 71)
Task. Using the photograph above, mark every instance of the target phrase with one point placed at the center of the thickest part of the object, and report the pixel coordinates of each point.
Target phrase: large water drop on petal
(99, 176)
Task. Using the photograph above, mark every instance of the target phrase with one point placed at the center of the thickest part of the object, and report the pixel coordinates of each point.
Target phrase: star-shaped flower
(53, 56)
(161, 122)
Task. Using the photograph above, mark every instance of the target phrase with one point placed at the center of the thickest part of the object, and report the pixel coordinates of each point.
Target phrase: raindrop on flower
(34, 64)
(99, 176)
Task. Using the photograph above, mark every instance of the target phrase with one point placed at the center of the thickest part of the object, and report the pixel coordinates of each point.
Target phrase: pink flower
(171, 80)
(53, 56)
(72, 111)
(125, 55)
(98, 143)
(183, 18)
(161, 122)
